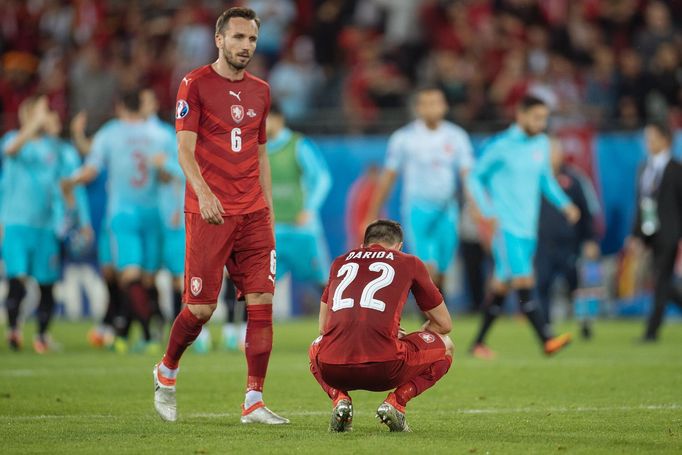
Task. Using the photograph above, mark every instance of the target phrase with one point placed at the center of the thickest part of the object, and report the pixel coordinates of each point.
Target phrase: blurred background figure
(300, 184)
(433, 155)
(658, 220)
(561, 244)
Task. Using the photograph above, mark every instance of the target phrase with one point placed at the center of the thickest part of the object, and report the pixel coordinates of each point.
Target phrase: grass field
(606, 396)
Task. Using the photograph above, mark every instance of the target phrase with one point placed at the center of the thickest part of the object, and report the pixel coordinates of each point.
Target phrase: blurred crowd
(349, 65)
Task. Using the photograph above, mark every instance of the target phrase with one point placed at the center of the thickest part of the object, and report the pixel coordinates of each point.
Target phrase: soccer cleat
(342, 416)
(42, 344)
(95, 338)
(164, 396)
(15, 340)
(556, 344)
(481, 351)
(390, 415)
(120, 345)
(258, 413)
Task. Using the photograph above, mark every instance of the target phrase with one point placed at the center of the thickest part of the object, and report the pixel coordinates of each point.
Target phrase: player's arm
(322, 320)
(555, 195)
(395, 157)
(477, 178)
(38, 116)
(317, 179)
(265, 176)
(430, 301)
(82, 143)
(209, 205)
(71, 162)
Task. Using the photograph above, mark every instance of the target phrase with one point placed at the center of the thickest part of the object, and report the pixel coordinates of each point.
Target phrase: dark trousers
(664, 289)
(552, 263)
(474, 259)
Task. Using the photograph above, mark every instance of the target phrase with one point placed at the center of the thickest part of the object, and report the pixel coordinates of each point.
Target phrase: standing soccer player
(220, 122)
(33, 208)
(506, 184)
(362, 345)
(431, 153)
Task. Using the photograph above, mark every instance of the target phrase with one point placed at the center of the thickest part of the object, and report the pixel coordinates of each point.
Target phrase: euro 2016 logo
(181, 109)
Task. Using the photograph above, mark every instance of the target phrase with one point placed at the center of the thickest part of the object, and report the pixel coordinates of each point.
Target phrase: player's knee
(202, 312)
(449, 346)
(523, 282)
(261, 298)
(499, 287)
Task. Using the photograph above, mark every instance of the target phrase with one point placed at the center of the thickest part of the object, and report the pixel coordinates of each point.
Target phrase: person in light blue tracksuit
(34, 211)
(432, 154)
(506, 184)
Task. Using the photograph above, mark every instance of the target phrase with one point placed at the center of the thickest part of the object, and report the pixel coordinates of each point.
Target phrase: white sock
(252, 397)
(167, 372)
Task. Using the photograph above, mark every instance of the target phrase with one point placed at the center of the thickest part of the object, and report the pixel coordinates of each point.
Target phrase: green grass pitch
(606, 396)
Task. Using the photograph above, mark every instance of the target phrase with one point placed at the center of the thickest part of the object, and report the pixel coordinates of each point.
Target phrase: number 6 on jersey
(236, 139)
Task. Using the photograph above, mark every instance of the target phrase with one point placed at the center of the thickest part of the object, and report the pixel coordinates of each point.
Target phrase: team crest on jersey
(237, 111)
(195, 285)
(181, 109)
(427, 337)
(251, 113)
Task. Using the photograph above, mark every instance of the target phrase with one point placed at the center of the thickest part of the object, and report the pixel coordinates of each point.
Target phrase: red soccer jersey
(229, 119)
(367, 290)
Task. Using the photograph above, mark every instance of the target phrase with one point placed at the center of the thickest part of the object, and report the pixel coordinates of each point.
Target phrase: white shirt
(430, 160)
(653, 172)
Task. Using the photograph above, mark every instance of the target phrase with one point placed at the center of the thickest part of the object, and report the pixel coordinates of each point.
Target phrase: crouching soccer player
(362, 346)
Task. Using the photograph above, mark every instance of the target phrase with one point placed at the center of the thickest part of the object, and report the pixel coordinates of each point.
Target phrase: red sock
(258, 344)
(185, 330)
(427, 379)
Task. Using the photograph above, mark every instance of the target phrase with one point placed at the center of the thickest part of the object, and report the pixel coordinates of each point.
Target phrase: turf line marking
(219, 415)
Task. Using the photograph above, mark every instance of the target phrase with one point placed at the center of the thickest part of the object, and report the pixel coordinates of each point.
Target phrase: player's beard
(233, 60)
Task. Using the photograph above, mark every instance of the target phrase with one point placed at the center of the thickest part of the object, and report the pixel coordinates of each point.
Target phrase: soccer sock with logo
(424, 381)
(16, 294)
(258, 347)
(45, 309)
(533, 312)
(138, 302)
(490, 313)
(185, 330)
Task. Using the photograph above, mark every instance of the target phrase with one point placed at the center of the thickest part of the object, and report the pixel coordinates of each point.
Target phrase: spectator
(600, 86)
(17, 84)
(658, 30)
(276, 17)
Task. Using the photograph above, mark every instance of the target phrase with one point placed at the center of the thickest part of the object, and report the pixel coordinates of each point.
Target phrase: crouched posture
(361, 345)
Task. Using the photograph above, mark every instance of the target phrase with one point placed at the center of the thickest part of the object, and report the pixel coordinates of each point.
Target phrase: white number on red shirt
(236, 139)
(349, 271)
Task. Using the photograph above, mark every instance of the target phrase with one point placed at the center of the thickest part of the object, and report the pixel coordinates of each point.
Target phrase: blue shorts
(174, 250)
(302, 252)
(104, 257)
(33, 252)
(431, 232)
(513, 256)
(136, 239)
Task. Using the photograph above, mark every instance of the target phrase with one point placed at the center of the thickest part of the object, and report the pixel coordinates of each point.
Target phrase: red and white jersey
(229, 119)
(367, 290)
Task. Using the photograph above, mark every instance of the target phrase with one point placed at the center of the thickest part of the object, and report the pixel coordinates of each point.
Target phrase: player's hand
(591, 250)
(159, 160)
(401, 332)
(572, 213)
(303, 218)
(67, 186)
(210, 207)
(78, 124)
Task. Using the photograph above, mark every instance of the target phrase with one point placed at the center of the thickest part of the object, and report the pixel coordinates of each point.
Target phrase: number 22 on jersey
(349, 272)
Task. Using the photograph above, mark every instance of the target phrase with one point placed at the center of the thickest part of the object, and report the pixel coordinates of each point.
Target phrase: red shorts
(421, 350)
(243, 243)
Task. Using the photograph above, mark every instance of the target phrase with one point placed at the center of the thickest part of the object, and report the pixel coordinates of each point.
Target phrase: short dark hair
(237, 11)
(385, 231)
(663, 128)
(130, 100)
(530, 101)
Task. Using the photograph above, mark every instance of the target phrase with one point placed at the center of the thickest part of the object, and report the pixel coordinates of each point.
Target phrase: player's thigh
(151, 232)
(500, 253)
(422, 349)
(253, 262)
(127, 241)
(419, 221)
(447, 240)
(174, 251)
(16, 249)
(46, 263)
(104, 256)
(521, 252)
(207, 247)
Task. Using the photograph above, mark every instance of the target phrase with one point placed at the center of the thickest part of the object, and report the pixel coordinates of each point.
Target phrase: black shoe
(586, 331)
